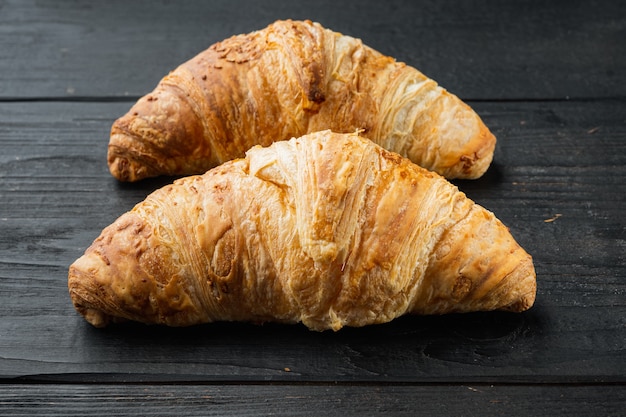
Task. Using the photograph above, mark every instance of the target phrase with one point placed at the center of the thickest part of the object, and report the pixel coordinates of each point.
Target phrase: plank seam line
(72, 99)
(134, 98)
(566, 99)
(93, 379)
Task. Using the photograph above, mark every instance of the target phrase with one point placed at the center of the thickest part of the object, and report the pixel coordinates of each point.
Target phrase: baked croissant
(293, 78)
(328, 229)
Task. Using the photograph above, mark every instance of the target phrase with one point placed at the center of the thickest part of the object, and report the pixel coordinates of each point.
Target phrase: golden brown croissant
(293, 78)
(329, 229)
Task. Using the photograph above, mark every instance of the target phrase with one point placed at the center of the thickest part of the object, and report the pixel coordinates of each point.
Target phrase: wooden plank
(309, 400)
(557, 182)
(476, 49)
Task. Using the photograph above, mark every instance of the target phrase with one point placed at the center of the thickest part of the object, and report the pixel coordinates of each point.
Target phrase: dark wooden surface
(549, 79)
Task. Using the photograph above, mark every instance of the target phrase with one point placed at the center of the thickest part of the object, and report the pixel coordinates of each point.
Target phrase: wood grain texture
(476, 49)
(311, 400)
(549, 79)
(558, 182)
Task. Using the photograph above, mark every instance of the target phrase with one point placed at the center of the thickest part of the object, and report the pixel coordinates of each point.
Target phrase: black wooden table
(548, 78)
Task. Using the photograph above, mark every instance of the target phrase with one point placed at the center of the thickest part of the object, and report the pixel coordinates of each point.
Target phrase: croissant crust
(287, 80)
(329, 229)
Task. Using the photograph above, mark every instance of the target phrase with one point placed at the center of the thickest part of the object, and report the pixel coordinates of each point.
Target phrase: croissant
(293, 78)
(328, 229)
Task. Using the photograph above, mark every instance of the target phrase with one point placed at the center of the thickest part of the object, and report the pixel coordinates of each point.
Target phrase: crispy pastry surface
(289, 79)
(328, 229)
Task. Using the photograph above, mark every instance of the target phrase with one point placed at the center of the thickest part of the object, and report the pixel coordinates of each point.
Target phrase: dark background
(548, 78)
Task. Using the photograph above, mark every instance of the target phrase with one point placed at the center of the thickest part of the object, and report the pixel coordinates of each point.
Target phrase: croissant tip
(523, 304)
(125, 169)
(80, 282)
(476, 164)
(119, 169)
(528, 281)
(96, 318)
(126, 163)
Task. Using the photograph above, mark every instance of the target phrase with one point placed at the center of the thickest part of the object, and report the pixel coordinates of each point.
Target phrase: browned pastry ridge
(289, 79)
(328, 229)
